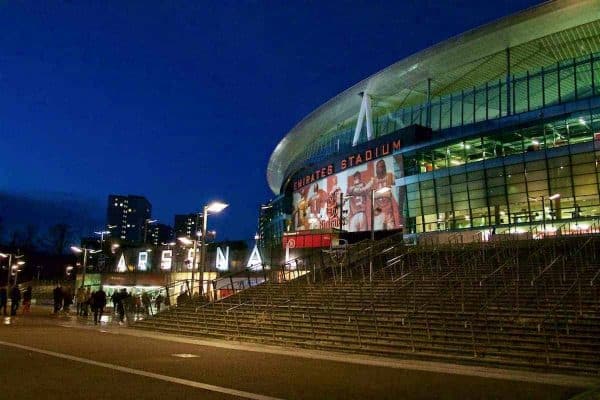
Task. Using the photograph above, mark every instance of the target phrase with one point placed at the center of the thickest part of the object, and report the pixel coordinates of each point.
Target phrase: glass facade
(541, 174)
(519, 152)
(274, 220)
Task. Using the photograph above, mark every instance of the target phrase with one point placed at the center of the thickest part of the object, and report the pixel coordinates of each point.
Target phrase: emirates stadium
(494, 131)
(444, 209)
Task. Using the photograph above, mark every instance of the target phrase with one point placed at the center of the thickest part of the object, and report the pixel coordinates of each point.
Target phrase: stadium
(444, 209)
(494, 131)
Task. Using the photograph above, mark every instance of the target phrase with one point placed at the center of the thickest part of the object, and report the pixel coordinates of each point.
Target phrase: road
(63, 357)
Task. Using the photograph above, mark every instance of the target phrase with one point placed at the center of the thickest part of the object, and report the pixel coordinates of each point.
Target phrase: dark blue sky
(183, 102)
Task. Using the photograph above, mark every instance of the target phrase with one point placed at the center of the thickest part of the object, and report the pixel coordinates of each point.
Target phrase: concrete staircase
(532, 305)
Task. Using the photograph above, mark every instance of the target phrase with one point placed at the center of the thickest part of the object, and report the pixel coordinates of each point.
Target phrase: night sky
(183, 102)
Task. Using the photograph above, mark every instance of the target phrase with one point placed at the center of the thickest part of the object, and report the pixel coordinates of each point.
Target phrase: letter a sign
(255, 261)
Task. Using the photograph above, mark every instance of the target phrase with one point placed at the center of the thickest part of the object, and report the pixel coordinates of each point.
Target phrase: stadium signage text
(352, 160)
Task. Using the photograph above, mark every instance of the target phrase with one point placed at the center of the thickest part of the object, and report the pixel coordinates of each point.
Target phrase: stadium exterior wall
(517, 152)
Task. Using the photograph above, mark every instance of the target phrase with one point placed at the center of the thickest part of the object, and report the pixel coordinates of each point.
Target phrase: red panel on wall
(302, 241)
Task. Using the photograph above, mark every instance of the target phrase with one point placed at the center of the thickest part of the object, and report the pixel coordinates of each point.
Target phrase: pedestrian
(27, 295)
(127, 301)
(157, 302)
(57, 295)
(15, 299)
(99, 301)
(3, 299)
(136, 305)
(86, 303)
(115, 300)
(167, 298)
(80, 298)
(67, 299)
(120, 309)
(146, 303)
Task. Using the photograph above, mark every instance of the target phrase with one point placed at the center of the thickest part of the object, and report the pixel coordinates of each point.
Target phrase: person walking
(99, 302)
(146, 303)
(67, 299)
(115, 300)
(15, 299)
(87, 301)
(80, 298)
(27, 295)
(57, 295)
(157, 302)
(121, 297)
(3, 299)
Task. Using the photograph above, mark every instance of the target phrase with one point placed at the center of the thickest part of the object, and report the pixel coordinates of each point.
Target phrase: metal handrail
(596, 275)
(542, 272)
(507, 263)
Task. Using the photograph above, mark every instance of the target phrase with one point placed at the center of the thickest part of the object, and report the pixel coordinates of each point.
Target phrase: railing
(551, 314)
(478, 269)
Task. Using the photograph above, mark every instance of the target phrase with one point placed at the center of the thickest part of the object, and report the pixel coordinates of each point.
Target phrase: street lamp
(10, 256)
(17, 270)
(373, 192)
(101, 258)
(215, 207)
(148, 221)
(102, 233)
(187, 242)
(85, 251)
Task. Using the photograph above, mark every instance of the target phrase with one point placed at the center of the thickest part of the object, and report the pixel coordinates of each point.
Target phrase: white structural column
(364, 114)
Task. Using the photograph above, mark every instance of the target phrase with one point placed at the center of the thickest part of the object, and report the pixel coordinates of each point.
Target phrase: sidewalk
(44, 315)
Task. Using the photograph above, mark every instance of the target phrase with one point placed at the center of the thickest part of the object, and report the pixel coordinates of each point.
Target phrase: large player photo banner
(347, 196)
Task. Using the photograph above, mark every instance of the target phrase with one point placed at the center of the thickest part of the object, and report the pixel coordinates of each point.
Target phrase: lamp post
(17, 270)
(10, 256)
(102, 233)
(187, 241)
(373, 192)
(214, 207)
(84, 250)
(147, 222)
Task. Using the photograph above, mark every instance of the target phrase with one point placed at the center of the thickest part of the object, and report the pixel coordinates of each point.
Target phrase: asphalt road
(58, 358)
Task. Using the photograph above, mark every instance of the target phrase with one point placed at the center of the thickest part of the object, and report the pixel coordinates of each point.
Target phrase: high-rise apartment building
(186, 225)
(127, 217)
(159, 234)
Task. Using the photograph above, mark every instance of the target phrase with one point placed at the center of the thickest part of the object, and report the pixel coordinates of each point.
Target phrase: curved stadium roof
(541, 35)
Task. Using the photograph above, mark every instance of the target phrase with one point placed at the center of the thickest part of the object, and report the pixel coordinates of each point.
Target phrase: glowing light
(185, 240)
(216, 207)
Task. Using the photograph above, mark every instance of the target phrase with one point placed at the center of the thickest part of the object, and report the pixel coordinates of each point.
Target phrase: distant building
(185, 225)
(126, 217)
(159, 234)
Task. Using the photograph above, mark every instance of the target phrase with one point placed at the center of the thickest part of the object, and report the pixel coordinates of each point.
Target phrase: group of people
(95, 301)
(321, 206)
(86, 300)
(15, 299)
